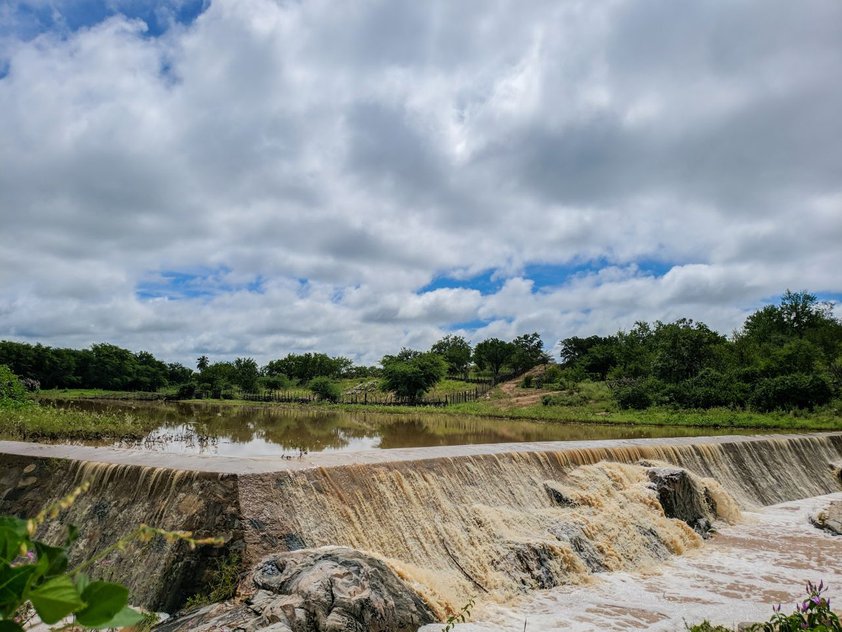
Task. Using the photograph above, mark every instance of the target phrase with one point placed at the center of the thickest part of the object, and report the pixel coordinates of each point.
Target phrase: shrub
(708, 389)
(637, 394)
(11, 388)
(786, 392)
(325, 388)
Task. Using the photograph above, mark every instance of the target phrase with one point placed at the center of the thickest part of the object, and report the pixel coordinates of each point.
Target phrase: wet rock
(829, 518)
(558, 495)
(586, 551)
(330, 589)
(682, 498)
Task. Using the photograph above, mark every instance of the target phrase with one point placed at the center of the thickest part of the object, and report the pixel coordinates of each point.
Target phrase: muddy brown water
(226, 430)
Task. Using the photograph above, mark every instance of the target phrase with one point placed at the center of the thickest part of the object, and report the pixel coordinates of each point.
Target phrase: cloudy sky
(259, 177)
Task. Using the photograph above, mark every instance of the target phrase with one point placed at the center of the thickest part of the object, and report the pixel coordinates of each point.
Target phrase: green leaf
(13, 584)
(82, 582)
(72, 535)
(9, 545)
(104, 600)
(9, 626)
(56, 558)
(123, 619)
(55, 599)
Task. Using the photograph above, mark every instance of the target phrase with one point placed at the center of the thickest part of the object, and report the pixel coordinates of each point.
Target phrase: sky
(262, 177)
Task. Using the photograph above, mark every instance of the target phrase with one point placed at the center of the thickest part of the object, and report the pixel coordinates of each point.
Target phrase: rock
(574, 536)
(558, 495)
(682, 498)
(829, 518)
(330, 589)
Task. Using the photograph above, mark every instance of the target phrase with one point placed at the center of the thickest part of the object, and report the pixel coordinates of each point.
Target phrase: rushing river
(268, 431)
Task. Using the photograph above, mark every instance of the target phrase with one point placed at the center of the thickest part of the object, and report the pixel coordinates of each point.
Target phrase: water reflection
(255, 431)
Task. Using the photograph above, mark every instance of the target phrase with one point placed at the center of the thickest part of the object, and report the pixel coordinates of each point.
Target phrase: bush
(274, 382)
(786, 392)
(636, 394)
(11, 388)
(186, 391)
(708, 389)
(325, 388)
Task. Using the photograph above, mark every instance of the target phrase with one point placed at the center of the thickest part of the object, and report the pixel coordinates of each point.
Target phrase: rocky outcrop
(683, 498)
(330, 589)
(829, 518)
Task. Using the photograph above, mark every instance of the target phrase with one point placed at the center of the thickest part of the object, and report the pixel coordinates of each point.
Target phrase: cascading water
(456, 521)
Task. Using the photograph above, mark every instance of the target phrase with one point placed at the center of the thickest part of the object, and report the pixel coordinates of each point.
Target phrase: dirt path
(516, 397)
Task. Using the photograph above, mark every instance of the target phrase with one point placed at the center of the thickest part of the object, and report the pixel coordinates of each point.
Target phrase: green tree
(527, 352)
(246, 374)
(410, 374)
(594, 355)
(456, 351)
(202, 363)
(325, 388)
(493, 354)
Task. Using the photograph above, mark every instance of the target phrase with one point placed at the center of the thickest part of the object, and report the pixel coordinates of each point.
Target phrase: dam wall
(120, 498)
(455, 522)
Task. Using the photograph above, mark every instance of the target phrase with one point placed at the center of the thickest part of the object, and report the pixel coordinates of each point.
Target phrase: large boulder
(683, 498)
(330, 589)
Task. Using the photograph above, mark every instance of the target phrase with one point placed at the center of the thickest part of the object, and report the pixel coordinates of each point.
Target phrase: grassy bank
(33, 422)
(589, 403)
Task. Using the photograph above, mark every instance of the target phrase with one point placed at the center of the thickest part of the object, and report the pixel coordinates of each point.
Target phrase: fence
(372, 398)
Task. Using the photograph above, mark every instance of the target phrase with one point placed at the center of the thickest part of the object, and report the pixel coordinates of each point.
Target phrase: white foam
(737, 576)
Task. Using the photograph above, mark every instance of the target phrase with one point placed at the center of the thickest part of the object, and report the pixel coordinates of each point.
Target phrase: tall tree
(493, 354)
(411, 374)
(527, 352)
(456, 351)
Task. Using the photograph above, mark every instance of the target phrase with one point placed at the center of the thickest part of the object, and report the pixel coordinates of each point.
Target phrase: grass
(31, 421)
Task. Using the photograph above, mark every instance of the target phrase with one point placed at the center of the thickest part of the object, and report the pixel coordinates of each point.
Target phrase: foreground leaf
(55, 599)
(104, 601)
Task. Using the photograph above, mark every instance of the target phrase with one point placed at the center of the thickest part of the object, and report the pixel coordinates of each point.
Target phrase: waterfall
(455, 522)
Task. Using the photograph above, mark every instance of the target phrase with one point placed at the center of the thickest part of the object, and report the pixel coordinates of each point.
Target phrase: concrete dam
(453, 522)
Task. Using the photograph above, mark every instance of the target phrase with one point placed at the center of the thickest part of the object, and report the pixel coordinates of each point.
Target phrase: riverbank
(506, 402)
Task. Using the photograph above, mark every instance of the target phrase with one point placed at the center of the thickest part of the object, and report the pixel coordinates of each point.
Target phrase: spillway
(457, 521)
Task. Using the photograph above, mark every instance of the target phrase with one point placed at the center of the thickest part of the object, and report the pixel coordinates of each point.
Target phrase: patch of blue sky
(199, 284)
(544, 275)
(833, 297)
(486, 283)
(4, 68)
(29, 19)
(468, 325)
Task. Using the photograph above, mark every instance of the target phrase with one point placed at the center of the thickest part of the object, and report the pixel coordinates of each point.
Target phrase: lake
(226, 430)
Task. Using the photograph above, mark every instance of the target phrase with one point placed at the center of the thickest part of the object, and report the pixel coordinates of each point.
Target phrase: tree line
(409, 374)
(785, 356)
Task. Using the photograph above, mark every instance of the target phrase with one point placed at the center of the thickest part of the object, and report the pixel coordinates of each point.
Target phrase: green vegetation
(410, 374)
(456, 351)
(23, 418)
(222, 584)
(326, 389)
(786, 357)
